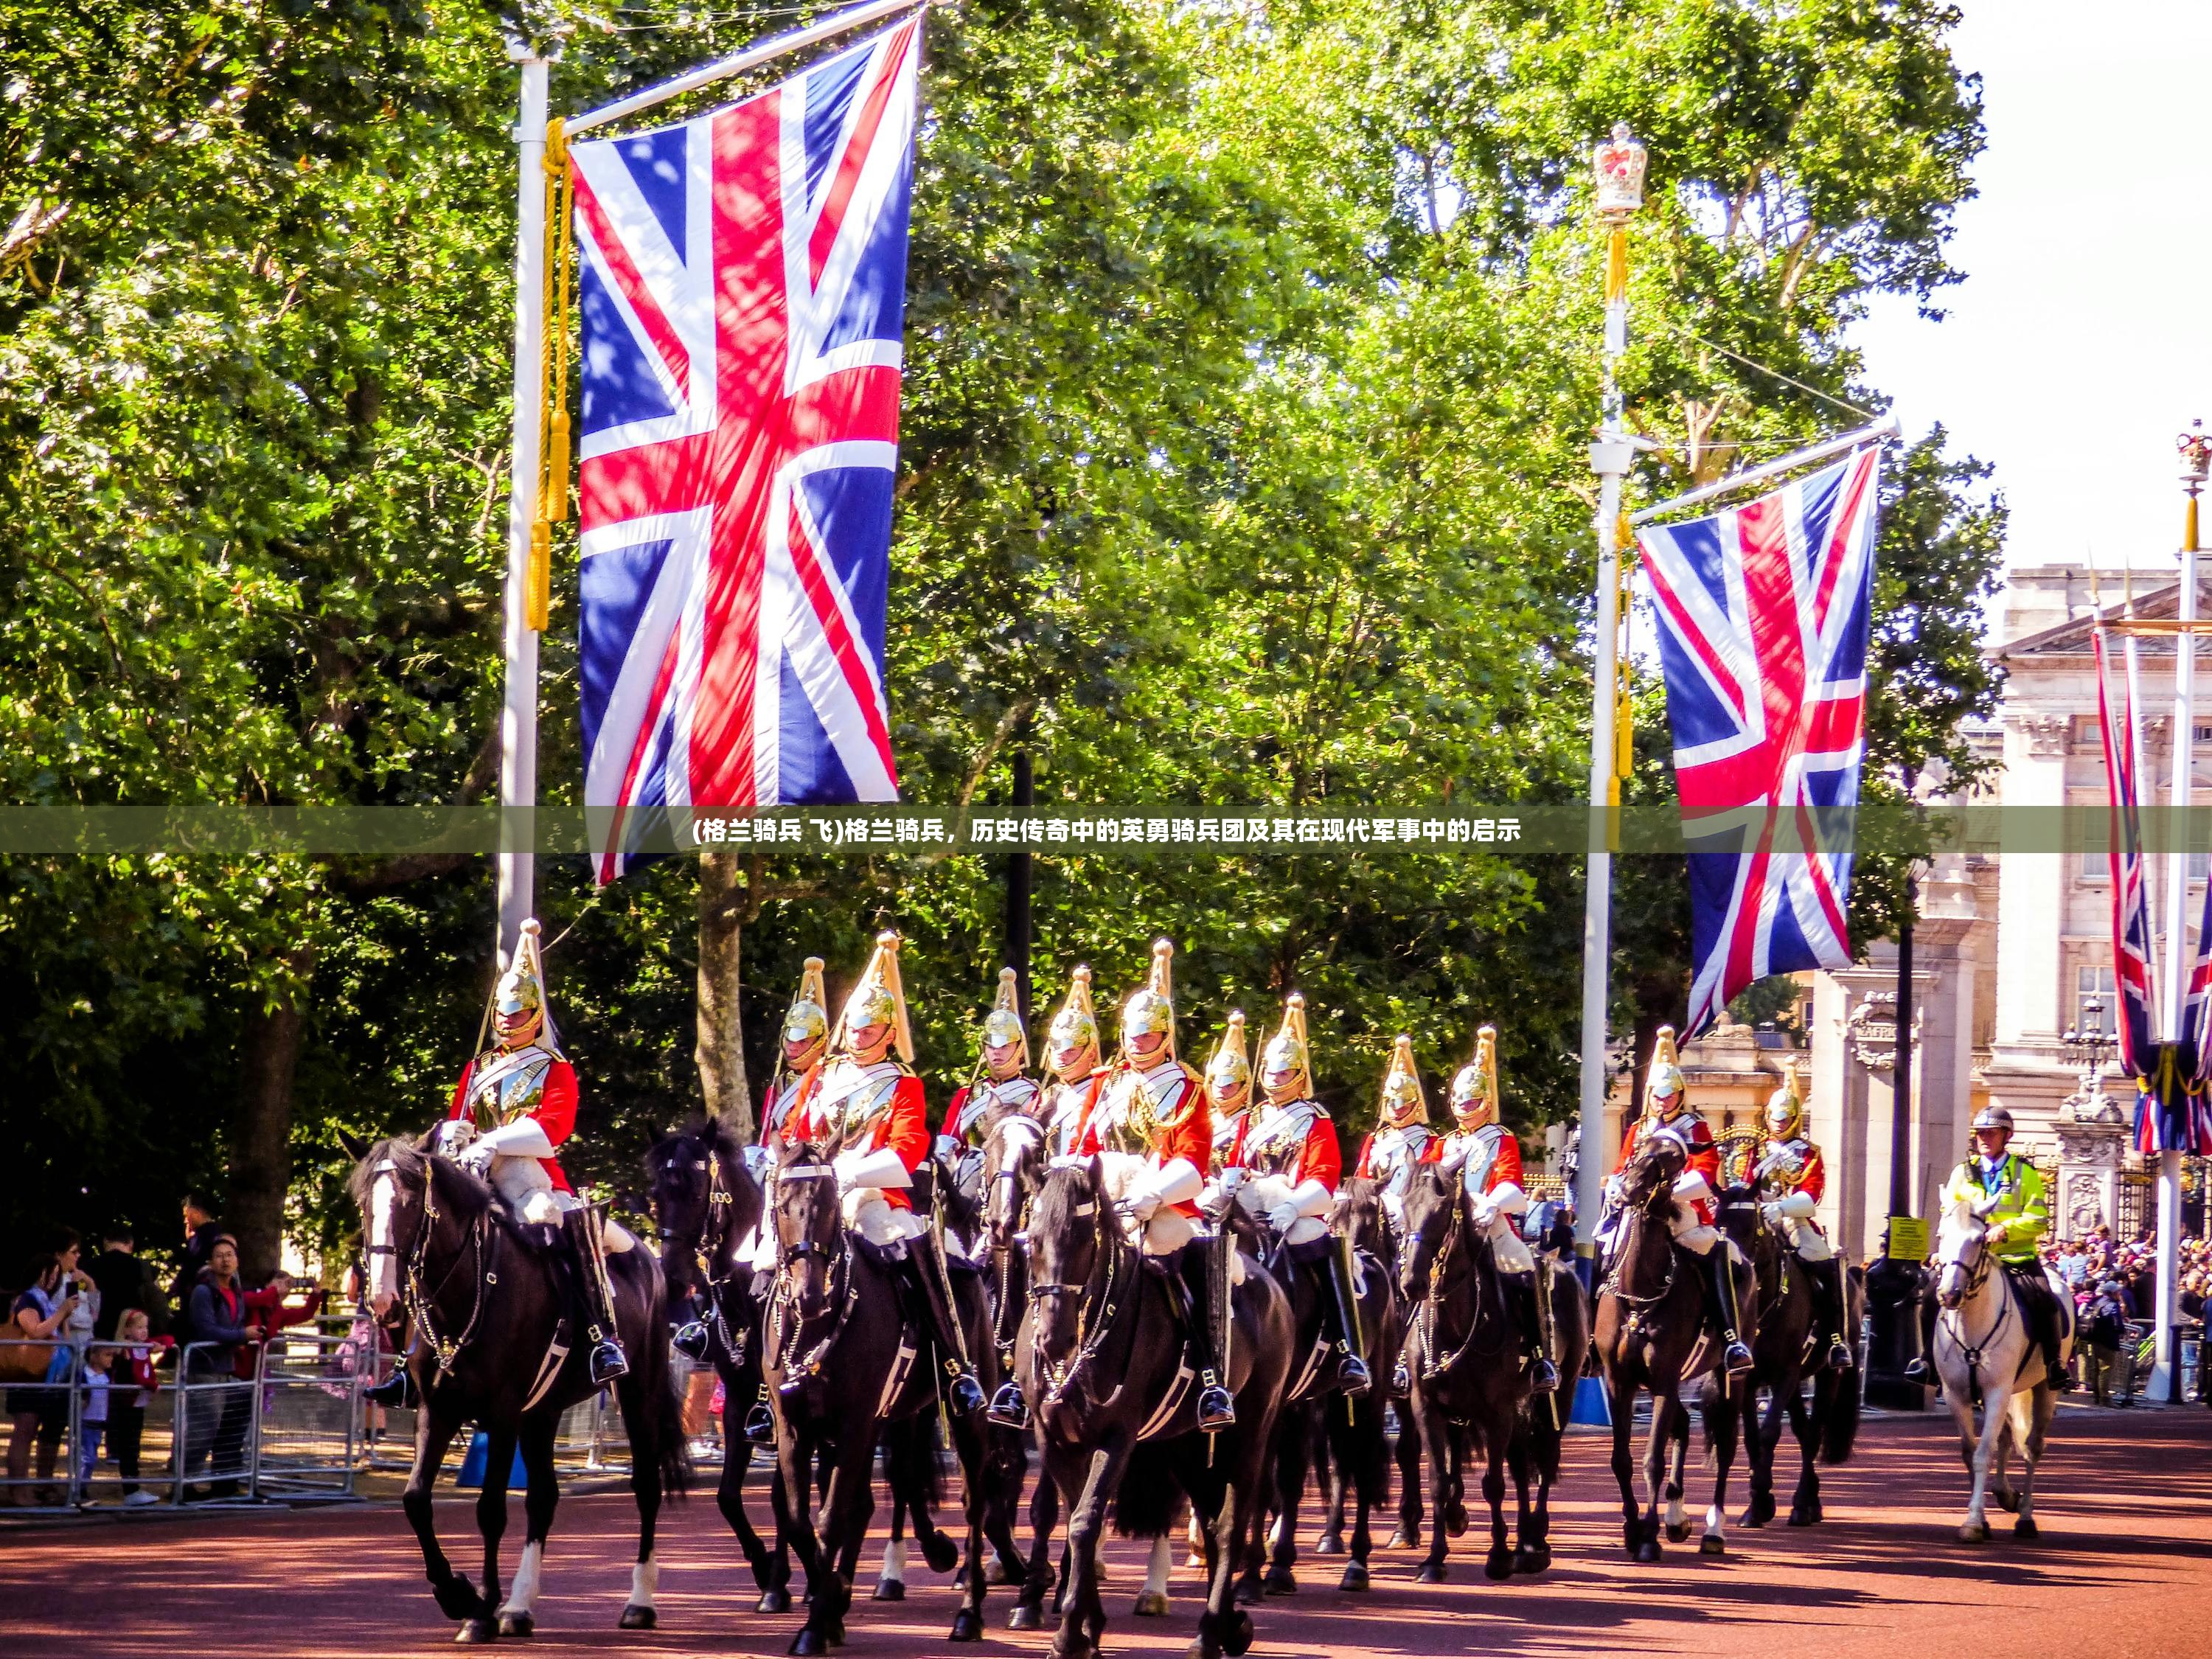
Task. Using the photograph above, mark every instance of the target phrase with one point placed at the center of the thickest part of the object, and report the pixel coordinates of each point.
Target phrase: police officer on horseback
(1154, 1108)
(1488, 1155)
(1668, 1112)
(2008, 1191)
(1790, 1178)
(868, 1109)
(514, 1106)
(1287, 1171)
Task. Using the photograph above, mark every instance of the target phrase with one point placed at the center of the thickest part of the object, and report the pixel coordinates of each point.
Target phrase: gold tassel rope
(553, 439)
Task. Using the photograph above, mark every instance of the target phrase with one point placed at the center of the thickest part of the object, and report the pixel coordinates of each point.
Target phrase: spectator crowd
(94, 1337)
(2115, 1290)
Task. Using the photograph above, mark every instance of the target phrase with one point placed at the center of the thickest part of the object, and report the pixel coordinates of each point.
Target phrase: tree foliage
(1251, 359)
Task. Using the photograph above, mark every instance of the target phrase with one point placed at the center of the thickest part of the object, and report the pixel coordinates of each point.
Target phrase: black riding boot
(1827, 1279)
(1543, 1375)
(1339, 1312)
(1205, 1281)
(2043, 1309)
(956, 1385)
(582, 1229)
(1720, 1281)
(396, 1392)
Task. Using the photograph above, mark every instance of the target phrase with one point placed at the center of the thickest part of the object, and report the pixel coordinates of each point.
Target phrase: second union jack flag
(1763, 615)
(2123, 853)
(742, 280)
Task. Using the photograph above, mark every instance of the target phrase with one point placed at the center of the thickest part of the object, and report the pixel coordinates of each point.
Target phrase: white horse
(1985, 1352)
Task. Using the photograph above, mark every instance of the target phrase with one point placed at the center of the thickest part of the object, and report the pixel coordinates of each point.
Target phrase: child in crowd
(92, 1419)
(135, 1386)
(272, 1307)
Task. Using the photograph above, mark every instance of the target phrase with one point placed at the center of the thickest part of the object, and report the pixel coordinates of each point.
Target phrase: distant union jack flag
(742, 287)
(2124, 854)
(1763, 620)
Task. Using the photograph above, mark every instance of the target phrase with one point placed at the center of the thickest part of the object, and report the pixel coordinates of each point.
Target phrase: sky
(2075, 349)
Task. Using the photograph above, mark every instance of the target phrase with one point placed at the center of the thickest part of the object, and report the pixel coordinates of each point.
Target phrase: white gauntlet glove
(1282, 1217)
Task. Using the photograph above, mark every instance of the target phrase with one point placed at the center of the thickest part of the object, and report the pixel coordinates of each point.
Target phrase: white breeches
(1507, 1247)
(1693, 1235)
(529, 1192)
(878, 1221)
(1807, 1239)
(1168, 1229)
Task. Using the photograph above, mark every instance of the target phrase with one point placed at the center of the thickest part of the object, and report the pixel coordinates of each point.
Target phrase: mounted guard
(798, 1066)
(514, 1106)
(1488, 1156)
(1071, 1051)
(1791, 1177)
(1153, 1111)
(1401, 1137)
(869, 1106)
(1229, 1093)
(1001, 1077)
(1286, 1171)
(1668, 1112)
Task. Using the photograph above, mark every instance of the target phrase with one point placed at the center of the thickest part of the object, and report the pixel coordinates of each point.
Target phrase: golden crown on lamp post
(1618, 164)
(2196, 456)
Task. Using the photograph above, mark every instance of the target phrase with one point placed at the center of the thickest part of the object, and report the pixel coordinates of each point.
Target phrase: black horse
(488, 1304)
(1788, 1350)
(1650, 1334)
(841, 1361)
(705, 1204)
(1102, 1355)
(1361, 1220)
(1316, 1411)
(1469, 1389)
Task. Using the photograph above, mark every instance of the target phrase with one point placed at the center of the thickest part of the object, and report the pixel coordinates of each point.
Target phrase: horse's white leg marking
(1678, 1514)
(894, 1561)
(644, 1579)
(522, 1593)
(1155, 1569)
(1715, 1523)
(1275, 1535)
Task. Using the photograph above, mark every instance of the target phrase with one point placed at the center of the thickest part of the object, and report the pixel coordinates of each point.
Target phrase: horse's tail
(1150, 1496)
(1839, 1414)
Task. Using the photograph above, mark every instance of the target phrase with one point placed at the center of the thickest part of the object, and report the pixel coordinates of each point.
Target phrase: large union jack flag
(1763, 622)
(743, 280)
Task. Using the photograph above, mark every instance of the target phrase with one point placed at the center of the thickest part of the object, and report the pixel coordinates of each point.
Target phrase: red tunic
(555, 1113)
(1318, 1156)
(1190, 1136)
(1704, 1154)
(1811, 1176)
(904, 1126)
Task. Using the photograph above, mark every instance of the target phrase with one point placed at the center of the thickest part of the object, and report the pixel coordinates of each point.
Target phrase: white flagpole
(517, 730)
(1618, 166)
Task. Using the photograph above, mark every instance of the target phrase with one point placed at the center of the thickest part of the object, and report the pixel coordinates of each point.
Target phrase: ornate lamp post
(2092, 1045)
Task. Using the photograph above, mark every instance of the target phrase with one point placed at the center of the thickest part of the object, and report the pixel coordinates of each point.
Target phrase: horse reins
(843, 1286)
(420, 1303)
(721, 1216)
(1091, 1331)
(1432, 1302)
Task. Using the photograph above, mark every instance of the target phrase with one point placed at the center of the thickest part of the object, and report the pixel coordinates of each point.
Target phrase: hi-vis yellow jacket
(2022, 1204)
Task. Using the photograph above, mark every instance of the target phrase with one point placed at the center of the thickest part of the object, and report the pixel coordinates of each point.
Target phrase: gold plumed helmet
(1785, 1108)
(1403, 1103)
(1665, 1087)
(1286, 1050)
(520, 1002)
(1076, 1026)
(808, 1017)
(878, 1000)
(1229, 1068)
(1474, 1090)
(1003, 1024)
(1152, 1009)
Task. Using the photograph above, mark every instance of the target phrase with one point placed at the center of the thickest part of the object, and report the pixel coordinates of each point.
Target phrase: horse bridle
(843, 1286)
(419, 1303)
(1976, 1276)
(1432, 1305)
(1094, 1313)
(721, 1216)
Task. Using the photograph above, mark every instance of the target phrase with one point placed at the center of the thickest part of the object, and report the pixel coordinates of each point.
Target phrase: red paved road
(2124, 1569)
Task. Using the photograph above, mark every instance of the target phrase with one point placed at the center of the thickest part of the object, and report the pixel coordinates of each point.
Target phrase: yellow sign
(1908, 1238)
